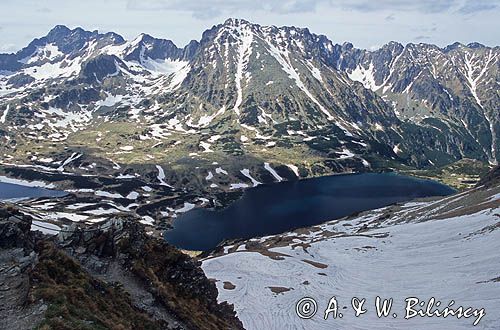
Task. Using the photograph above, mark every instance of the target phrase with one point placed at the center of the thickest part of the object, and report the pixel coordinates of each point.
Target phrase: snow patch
(26, 183)
(161, 176)
(364, 76)
(219, 170)
(246, 172)
(273, 172)
(238, 186)
(45, 227)
(185, 208)
(4, 115)
(294, 168)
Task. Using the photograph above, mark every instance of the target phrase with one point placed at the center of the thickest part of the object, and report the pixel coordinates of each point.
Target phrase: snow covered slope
(446, 249)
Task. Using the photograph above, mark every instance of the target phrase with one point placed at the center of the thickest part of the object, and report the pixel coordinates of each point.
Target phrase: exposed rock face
(114, 276)
(17, 258)
(100, 67)
(173, 278)
(14, 229)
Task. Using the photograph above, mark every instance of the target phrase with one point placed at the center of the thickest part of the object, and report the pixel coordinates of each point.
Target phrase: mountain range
(241, 97)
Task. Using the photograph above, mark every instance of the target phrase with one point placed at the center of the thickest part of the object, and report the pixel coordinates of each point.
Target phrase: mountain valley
(278, 133)
(100, 116)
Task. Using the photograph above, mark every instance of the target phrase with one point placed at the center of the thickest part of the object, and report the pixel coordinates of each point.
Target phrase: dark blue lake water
(276, 208)
(15, 191)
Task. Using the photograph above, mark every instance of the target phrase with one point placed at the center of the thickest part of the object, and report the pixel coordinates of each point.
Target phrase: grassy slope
(78, 301)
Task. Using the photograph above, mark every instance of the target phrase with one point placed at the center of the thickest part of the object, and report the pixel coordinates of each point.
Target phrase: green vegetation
(461, 175)
(78, 301)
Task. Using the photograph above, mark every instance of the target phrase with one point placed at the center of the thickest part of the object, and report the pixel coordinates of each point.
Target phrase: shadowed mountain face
(457, 85)
(246, 93)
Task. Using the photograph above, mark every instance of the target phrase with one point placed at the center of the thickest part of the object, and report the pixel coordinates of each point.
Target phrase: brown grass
(78, 301)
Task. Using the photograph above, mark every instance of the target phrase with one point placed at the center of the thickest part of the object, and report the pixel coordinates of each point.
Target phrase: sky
(366, 23)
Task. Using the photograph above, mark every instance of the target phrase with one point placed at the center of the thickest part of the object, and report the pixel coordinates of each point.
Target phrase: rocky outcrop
(100, 67)
(14, 229)
(121, 249)
(112, 276)
(17, 258)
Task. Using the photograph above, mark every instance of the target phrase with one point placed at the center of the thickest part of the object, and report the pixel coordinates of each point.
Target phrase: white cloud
(210, 8)
(474, 6)
(8, 48)
(362, 22)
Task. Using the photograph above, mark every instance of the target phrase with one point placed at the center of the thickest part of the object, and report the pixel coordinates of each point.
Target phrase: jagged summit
(475, 45)
(397, 44)
(59, 32)
(59, 29)
(236, 22)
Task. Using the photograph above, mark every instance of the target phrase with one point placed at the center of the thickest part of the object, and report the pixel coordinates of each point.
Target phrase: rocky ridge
(110, 276)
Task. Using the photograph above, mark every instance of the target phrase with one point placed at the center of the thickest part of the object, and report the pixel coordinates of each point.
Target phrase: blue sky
(366, 23)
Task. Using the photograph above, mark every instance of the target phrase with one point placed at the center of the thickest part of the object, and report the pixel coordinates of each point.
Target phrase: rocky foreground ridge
(112, 276)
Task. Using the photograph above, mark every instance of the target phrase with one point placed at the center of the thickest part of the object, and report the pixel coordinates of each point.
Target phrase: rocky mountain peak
(147, 47)
(58, 30)
(236, 22)
(69, 40)
(62, 41)
(392, 46)
(475, 45)
(453, 46)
